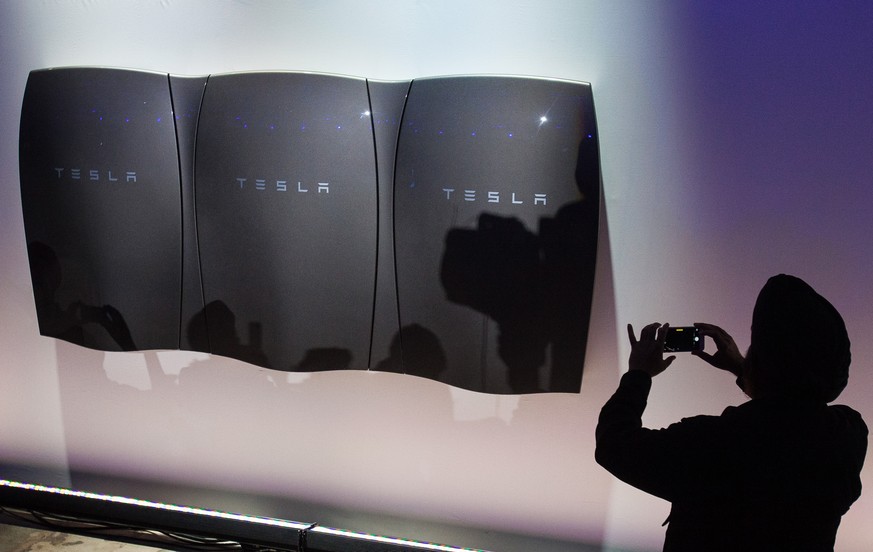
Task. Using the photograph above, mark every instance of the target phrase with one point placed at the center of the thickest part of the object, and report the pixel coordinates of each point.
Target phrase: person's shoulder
(745, 415)
(848, 417)
(727, 415)
(748, 408)
(700, 422)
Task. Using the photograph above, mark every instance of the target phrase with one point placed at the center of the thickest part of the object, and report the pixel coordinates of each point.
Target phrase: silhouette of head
(588, 168)
(423, 355)
(221, 322)
(45, 269)
(800, 348)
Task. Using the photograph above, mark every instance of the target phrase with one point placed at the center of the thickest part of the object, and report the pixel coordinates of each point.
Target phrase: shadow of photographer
(537, 287)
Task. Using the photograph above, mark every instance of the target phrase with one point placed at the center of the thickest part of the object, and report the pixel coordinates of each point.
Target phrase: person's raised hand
(727, 355)
(647, 352)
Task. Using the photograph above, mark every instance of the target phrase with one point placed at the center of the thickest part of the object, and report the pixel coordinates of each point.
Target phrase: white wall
(735, 142)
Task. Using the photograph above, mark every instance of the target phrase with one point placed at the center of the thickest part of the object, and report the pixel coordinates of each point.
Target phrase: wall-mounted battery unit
(497, 197)
(101, 194)
(286, 211)
(441, 227)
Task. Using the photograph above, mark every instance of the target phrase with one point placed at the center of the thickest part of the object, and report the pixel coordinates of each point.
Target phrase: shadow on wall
(220, 412)
(80, 323)
(506, 306)
(536, 288)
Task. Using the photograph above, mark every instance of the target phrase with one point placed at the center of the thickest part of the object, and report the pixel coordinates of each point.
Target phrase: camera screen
(683, 339)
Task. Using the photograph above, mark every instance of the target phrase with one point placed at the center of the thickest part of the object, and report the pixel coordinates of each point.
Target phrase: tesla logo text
(283, 186)
(495, 197)
(95, 175)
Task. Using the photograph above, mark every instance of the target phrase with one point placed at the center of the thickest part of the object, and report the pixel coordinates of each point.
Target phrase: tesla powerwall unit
(286, 201)
(102, 204)
(497, 195)
(442, 227)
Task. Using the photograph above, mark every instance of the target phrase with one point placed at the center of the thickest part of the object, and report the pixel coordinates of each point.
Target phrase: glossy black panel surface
(443, 227)
(101, 200)
(497, 196)
(387, 100)
(187, 93)
(286, 212)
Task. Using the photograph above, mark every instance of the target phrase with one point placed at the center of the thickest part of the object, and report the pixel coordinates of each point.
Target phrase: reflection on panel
(441, 227)
(496, 217)
(101, 200)
(286, 212)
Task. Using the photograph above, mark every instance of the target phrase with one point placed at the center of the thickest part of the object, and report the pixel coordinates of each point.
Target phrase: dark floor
(23, 539)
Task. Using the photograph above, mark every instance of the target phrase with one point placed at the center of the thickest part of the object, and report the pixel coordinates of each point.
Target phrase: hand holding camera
(655, 340)
(647, 352)
(727, 355)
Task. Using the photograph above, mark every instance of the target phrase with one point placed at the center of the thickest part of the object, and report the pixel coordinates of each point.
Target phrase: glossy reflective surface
(442, 227)
(101, 198)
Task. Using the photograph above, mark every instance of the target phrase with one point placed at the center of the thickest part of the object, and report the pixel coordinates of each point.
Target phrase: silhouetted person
(775, 473)
(213, 330)
(417, 351)
(537, 287)
(69, 324)
(47, 275)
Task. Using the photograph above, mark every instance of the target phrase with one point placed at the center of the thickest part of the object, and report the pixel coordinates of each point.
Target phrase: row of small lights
(311, 528)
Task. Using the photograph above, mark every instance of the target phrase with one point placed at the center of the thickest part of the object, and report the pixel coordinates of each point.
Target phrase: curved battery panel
(100, 193)
(286, 203)
(497, 192)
